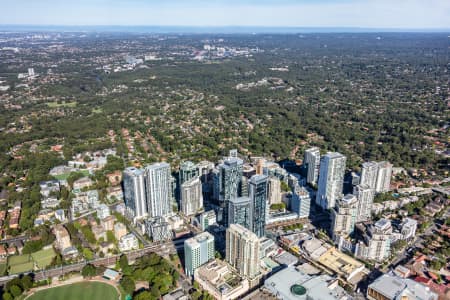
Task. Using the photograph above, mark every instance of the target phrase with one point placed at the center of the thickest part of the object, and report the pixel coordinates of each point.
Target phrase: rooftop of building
(312, 149)
(382, 224)
(257, 178)
(199, 238)
(292, 284)
(368, 164)
(334, 155)
(409, 222)
(221, 277)
(342, 264)
(231, 162)
(243, 232)
(240, 200)
(392, 286)
(158, 165)
(349, 199)
(134, 171)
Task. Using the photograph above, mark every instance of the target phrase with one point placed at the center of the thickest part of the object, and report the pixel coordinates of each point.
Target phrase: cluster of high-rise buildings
(238, 196)
(368, 240)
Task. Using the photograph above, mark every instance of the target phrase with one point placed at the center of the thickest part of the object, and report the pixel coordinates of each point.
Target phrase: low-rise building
(81, 183)
(48, 187)
(108, 223)
(50, 202)
(114, 178)
(99, 232)
(114, 193)
(408, 228)
(119, 230)
(391, 287)
(207, 219)
(220, 280)
(62, 237)
(103, 211)
(158, 229)
(128, 242)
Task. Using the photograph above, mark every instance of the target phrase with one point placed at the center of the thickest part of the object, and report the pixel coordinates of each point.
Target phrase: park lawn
(98, 110)
(20, 263)
(43, 258)
(3, 267)
(21, 268)
(63, 104)
(78, 291)
(66, 175)
(18, 259)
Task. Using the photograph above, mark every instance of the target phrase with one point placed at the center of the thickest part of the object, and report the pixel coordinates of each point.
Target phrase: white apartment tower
(331, 179)
(312, 163)
(377, 175)
(198, 250)
(274, 191)
(343, 216)
(377, 242)
(191, 197)
(369, 173)
(365, 196)
(242, 250)
(383, 177)
(158, 189)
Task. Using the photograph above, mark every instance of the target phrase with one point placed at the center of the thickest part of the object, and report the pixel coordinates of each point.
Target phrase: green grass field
(20, 263)
(18, 259)
(78, 291)
(65, 176)
(43, 258)
(3, 267)
(63, 104)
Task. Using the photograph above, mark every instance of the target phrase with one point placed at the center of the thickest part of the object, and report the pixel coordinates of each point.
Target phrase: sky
(407, 14)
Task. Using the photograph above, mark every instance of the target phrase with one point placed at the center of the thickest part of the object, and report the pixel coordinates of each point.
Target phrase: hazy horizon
(367, 14)
(209, 29)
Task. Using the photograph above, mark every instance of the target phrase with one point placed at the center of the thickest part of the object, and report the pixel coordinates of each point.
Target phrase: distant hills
(209, 29)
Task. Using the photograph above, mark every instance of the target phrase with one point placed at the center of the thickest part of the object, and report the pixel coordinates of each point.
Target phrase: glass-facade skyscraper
(134, 192)
(258, 185)
(229, 181)
(239, 212)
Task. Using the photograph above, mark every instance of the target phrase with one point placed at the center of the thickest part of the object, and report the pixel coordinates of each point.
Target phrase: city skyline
(409, 14)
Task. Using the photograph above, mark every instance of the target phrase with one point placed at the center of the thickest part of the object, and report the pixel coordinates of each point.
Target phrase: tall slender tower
(258, 200)
(331, 179)
(274, 191)
(188, 170)
(191, 197)
(157, 178)
(312, 164)
(343, 216)
(383, 177)
(239, 212)
(229, 181)
(134, 192)
(242, 250)
(369, 174)
(365, 196)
